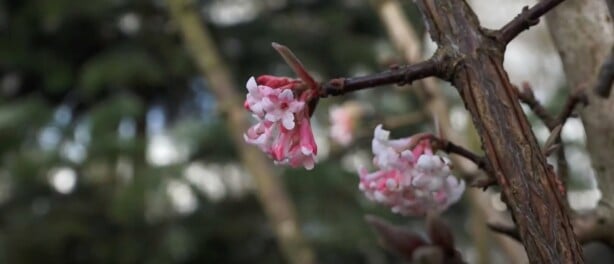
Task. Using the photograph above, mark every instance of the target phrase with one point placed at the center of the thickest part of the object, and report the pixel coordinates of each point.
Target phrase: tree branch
(527, 18)
(480, 161)
(529, 185)
(526, 96)
(588, 228)
(449, 147)
(508, 230)
(606, 73)
(553, 124)
(396, 75)
(404, 37)
(573, 100)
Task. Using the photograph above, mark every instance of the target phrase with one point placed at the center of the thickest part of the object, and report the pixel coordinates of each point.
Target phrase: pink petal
(274, 81)
(306, 136)
(296, 106)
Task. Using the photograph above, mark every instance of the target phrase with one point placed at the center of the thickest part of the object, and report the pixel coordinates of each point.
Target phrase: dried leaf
(440, 234)
(395, 238)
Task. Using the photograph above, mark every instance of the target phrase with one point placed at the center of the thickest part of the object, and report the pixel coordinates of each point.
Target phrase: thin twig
(552, 140)
(508, 230)
(449, 147)
(606, 73)
(555, 125)
(480, 161)
(572, 101)
(527, 18)
(526, 96)
(396, 75)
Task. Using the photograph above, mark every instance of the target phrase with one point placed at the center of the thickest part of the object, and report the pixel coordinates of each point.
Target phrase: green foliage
(119, 68)
(71, 55)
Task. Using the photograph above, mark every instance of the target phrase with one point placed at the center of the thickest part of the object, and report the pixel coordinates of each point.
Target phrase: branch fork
(472, 60)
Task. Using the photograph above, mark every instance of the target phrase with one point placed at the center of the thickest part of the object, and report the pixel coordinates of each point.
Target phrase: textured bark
(270, 191)
(528, 182)
(583, 32)
(402, 34)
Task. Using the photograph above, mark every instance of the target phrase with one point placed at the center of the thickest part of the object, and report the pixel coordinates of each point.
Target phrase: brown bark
(583, 32)
(270, 191)
(402, 34)
(471, 59)
(528, 182)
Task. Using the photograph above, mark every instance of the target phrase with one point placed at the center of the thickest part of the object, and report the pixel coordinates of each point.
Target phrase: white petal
(256, 108)
(267, 104)
(427, 162)
(380, 197)
(391, 184)
(380, 133)
(288, 120)
(251, 85)
(274, 115)
(407, 155)
(434, 183)
(309, 164)
(399, 144)
(306, 150)
(456, 188)
(419, 180)
(286, 95)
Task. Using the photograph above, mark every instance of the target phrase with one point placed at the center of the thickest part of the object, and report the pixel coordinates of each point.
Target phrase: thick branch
(529, 17)
(588, 228)
(528, 183)
(396, 75)
(554, 124)
(404, 37)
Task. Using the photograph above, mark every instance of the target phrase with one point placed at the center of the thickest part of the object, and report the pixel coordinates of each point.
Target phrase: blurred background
(113, 148)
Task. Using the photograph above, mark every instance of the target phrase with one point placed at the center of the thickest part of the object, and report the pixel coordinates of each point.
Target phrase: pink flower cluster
(411, 179)
(283, 130)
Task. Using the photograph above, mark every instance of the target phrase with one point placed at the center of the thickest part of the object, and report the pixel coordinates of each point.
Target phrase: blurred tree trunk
(583, 33)
(271, 192)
